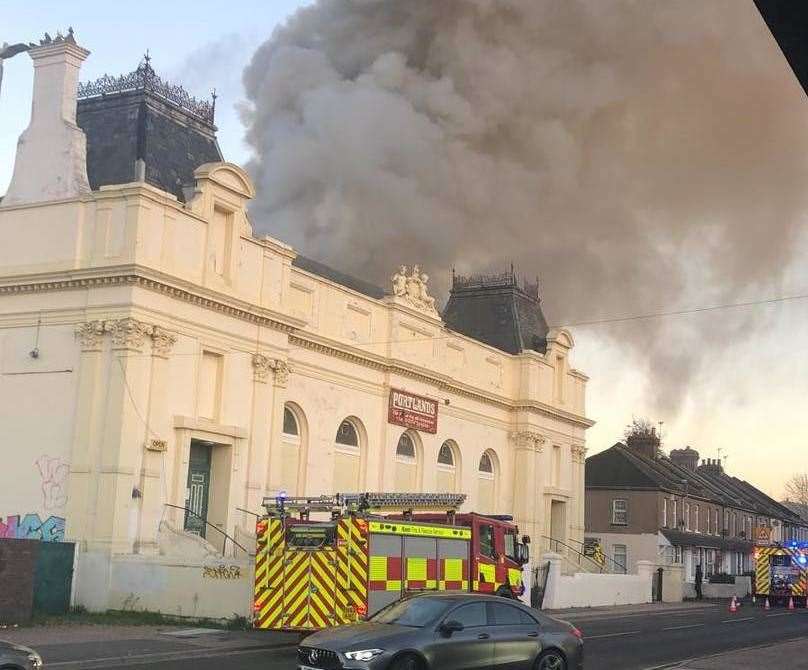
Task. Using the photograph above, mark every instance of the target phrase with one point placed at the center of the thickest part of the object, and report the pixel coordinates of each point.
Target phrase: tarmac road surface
(629, 641)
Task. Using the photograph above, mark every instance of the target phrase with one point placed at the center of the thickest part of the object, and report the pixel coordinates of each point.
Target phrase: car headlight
(363, 654)
(35, 660)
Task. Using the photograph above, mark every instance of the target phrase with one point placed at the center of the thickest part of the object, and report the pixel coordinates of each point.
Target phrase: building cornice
(139, 276)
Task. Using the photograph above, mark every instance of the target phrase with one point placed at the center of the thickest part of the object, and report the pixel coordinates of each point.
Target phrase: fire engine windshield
(302, 536)
(415, 612)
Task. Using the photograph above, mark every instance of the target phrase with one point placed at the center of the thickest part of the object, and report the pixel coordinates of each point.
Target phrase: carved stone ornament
(282, 371)
(128, 333)
(162, 341)
(90, 335)
(525, 439)
(262, 366)
(578, 453)
(156, 445)
(412, 288)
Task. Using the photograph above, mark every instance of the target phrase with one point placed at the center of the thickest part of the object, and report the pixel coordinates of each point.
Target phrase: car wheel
(551, 660)
(406, 662)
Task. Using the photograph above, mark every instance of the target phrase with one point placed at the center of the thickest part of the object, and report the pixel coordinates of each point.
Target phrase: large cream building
(157, 355)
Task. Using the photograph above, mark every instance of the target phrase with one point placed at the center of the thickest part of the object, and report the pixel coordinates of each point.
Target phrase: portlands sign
(413, 411)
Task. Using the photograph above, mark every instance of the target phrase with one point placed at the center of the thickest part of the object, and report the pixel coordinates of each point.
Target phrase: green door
(53, 577)
(198, 489)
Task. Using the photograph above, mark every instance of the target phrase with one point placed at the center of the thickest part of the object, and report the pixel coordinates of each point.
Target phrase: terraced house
(643, 504)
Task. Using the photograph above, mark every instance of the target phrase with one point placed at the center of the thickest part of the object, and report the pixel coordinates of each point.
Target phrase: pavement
(683, 636)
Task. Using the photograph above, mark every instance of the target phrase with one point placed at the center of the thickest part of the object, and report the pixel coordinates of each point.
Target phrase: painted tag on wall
(413, 411)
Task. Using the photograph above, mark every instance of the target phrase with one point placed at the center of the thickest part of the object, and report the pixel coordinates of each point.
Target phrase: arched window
(487, 475)
(291, 447)
(447, 467)
(407, 473)
(290, 426)
(347, 457)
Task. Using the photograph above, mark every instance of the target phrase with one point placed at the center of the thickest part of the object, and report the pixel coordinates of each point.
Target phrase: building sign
(763, 535)
(413, 411)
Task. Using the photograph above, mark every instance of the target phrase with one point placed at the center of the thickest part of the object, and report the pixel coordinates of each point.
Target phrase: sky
(745, 400)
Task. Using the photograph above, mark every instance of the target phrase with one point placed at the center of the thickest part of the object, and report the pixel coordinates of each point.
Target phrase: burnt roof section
(499, 311)
(623, 468)
(788, 22)
(141, 117)
(346, 280)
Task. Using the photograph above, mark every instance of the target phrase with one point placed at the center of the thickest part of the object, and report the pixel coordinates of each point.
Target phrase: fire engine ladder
(366, 502)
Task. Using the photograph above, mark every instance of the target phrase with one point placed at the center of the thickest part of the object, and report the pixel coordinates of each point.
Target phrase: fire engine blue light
(803, 560)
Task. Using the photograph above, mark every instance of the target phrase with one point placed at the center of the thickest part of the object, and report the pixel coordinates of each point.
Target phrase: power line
(680, 312)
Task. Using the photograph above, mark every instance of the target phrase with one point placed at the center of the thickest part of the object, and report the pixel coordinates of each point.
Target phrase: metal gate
(53, 577)
(539, 584)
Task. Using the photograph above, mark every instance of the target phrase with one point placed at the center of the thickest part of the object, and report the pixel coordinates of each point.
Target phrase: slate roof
(326, 272)
(126, 120)
(681, 537)
(622, 468)
(498, 311)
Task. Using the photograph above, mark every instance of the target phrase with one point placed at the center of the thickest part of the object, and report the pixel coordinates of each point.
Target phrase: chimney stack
(51, 160)
(685, 458)
(645, 443)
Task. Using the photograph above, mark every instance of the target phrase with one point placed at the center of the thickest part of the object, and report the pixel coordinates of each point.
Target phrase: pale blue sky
(180, 34)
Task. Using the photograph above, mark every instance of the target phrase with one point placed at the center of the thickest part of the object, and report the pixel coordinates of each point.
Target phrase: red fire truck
(332, 560)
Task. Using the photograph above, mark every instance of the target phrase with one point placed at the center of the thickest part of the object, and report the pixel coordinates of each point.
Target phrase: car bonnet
(345, 638)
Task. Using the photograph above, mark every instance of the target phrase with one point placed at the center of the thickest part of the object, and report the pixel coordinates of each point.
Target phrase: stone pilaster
(159, 439)
(260, 436)
(281, 371)
(528, 485)
(82, 483)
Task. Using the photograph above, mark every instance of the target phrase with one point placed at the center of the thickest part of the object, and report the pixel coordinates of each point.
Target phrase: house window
(619, 512)
(620, 558)
(687, 516)
(709, 522)
(675, 513)
(716, 529)
(664, 512)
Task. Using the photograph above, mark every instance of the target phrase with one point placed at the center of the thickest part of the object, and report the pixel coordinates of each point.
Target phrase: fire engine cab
(781, 572)
(332, 560)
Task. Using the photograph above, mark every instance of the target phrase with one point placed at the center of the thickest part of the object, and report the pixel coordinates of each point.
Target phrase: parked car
(447, 631)
(16, 657)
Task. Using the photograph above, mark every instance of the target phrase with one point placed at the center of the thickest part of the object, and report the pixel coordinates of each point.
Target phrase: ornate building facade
(170, 368)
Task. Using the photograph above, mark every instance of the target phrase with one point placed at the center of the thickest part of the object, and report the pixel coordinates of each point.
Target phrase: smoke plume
(635, 156)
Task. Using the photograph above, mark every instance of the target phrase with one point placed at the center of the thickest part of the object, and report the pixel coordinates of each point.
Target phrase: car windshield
(416, 612)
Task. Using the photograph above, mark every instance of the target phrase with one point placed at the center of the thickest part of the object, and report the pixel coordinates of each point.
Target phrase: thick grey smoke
(634, 155)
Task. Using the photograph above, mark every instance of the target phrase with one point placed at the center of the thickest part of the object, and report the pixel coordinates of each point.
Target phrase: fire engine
(365, 551)
(781, 572)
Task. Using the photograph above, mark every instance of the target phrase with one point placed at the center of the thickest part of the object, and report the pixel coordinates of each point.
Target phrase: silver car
(16, 657)
(445, 631)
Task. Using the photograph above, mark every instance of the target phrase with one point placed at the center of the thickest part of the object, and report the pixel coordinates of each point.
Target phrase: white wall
(594, 590)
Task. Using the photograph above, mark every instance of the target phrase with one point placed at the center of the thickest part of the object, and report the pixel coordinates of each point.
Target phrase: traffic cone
(733, 607)
(790, 603)
(767, 606)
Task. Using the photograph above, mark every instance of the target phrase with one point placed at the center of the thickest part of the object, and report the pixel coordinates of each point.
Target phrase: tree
(797, 489)
(641, 428)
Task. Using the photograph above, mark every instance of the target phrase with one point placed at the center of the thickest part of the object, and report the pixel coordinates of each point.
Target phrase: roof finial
(147, 58)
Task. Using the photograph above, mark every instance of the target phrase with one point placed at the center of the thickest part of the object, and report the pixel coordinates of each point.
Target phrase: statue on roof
(9, 51)
(412, 287)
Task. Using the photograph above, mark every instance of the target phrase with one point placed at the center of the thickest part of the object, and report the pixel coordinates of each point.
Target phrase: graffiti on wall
(222, 572)
(32, 527)
(54, 472)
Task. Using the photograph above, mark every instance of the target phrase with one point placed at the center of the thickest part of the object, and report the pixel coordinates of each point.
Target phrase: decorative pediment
(411, 287)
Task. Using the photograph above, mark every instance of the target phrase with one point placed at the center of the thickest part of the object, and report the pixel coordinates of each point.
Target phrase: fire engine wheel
(406, 662)
(551, 660)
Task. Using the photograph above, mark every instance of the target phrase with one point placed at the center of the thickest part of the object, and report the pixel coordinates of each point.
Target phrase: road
(629, 642)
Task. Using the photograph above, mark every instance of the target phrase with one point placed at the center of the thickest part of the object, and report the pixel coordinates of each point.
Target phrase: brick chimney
(685, 458)
(51, 160)
(711, 466)
(644, 443)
